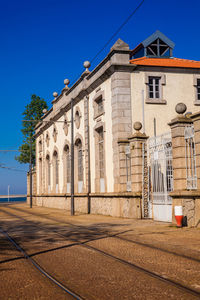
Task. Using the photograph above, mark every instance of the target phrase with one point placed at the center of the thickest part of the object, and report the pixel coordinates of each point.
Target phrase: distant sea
(17, 199)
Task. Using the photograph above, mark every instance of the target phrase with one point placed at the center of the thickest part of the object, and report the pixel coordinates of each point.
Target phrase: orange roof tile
(166, 62)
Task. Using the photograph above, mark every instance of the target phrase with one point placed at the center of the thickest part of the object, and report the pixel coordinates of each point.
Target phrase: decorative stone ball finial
(44, 111)
(66, 82)
(55, 94)
(137, 126)
(86, 65)
(180, 108)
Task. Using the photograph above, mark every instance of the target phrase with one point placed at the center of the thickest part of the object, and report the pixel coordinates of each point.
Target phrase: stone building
(119, 170)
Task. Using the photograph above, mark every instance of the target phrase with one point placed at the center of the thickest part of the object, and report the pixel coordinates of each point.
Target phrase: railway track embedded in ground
(168, 281)
(39, 268)
(116, 235)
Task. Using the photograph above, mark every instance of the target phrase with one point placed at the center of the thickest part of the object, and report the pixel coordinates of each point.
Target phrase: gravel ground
(52, 237)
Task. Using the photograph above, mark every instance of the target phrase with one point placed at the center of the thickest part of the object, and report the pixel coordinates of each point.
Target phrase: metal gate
(159, 152)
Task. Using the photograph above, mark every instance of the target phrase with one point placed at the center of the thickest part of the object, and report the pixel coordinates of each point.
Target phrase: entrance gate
(159, 151)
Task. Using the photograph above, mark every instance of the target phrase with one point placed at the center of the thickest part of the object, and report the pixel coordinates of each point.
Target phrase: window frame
(196, 80)
(99, 97)
(162, 82)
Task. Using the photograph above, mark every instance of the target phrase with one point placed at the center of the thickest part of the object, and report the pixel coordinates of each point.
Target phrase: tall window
(154, 87)
(40, 146)
(40, 174)
(48, 168)
(68, 165)
(101, 153)
(56, 170)
(80, 161)
(79, 164)
(128, 168)
(101, 158)
(99, 103)
(198, 89)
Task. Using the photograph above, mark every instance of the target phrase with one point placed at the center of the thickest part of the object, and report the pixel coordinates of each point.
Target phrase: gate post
(196, 121)
(177, 126)
(138, 159)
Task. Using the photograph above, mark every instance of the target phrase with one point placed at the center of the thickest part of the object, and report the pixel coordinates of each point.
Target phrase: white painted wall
(179, 88)
(62, 138)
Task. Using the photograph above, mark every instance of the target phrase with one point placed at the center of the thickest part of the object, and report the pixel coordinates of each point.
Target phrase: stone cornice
(83, 87)
(195, 116)
(138, 136)
(180, 120)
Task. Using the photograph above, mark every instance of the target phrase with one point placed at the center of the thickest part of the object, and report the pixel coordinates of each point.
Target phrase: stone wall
(124, 205)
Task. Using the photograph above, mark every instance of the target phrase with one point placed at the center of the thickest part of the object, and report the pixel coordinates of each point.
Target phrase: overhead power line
(113, 35)
(2, 166)
(118, 30)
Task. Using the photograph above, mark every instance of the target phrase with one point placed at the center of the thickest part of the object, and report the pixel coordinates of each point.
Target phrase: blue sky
(43, 42)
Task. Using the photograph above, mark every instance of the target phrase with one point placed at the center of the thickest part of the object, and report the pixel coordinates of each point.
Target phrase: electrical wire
(11, 168)
(93, 59)
(112, 37)
(118, 30)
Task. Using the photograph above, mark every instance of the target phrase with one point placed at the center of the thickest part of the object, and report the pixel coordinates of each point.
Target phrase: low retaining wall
(115, 205)
(190, 201)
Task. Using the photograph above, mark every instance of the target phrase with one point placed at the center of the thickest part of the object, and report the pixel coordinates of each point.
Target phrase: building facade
(111, 156)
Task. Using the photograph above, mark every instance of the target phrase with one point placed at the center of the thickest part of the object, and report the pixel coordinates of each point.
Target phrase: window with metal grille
(57, 176)
(101, 152)
(128, 168)
(68, 165)
(40, 173)
(48, 171)
(56, 168)
(154, 87)
(198, 89)
(80, 161)
(190, 157)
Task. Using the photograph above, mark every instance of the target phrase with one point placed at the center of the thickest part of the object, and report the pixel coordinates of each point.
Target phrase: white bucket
(178, 210)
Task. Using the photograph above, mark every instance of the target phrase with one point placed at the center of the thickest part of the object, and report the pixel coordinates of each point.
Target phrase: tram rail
(168, 281)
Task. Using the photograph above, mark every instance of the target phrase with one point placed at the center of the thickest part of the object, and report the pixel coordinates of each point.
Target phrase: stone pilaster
(196, 121)
(138, 147)
(121, 117)
(86, 129)
(121, 105)
(177, 126)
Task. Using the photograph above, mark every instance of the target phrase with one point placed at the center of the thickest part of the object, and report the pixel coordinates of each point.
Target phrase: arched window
(40, 146)
(48, 173)
(67, 169)
(77, 119)
(79, 165)
(55, 133)
(40, 175)
(100, 165)
(47, 139)
(56, 170)
(101, 158)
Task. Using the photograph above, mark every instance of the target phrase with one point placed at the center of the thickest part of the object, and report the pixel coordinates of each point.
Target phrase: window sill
(155, 101)
(99, 115)
(197, 102)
